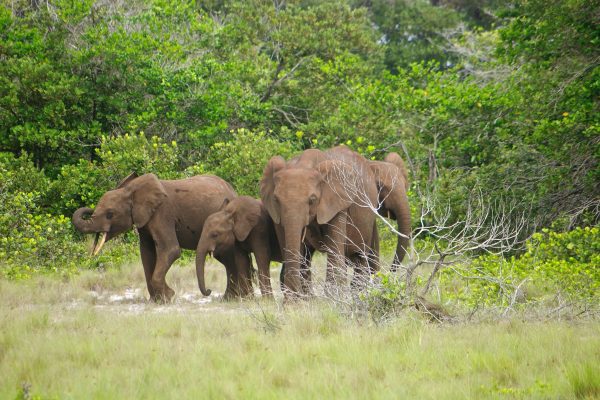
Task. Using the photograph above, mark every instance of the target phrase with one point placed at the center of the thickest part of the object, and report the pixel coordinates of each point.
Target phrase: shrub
(385, 297)
(19, 174)
(33, 242)
(241, 160)
(567, 261)
(123, 154)
(82, 184)
(554, 262)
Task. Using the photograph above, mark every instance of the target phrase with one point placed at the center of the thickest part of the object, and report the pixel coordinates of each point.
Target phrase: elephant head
(133, 202)
(297, 197)
(233, 222)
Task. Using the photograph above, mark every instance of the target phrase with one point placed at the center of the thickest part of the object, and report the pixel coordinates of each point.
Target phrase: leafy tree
(241, 161)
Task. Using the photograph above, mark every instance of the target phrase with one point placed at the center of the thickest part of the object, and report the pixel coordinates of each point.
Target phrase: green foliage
(32, 242)
(19, 174)
(502, 99)
(411, 31)
(386, 298)
(241, 160)
(121, 155)
(566, 261)
(85, 182)
(554, 262)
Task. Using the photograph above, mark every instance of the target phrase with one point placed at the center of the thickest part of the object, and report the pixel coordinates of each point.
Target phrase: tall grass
(56, 342)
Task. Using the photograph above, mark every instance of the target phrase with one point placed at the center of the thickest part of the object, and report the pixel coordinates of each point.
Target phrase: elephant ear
(127, 180)
(267, 186)
(395, 159)
(245, 218)
(147, 195)
(225, 203)
(388, 178)
(334, 197)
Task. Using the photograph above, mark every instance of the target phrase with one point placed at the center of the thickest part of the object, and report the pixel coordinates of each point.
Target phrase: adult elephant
(168, 214)
(241, 227)
(320, 200)
(392, 184)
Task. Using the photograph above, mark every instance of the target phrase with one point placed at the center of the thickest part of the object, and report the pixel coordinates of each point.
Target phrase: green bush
(386, 297)
(34, 242)
(554, 262)
(19, 174)
(82, 184)
(569, 261)
(123, 154)
(241, 160)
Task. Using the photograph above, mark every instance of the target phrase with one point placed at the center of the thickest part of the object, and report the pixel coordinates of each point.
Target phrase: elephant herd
(317, 201)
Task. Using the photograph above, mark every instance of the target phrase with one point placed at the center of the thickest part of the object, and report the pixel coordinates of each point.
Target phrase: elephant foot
(164, 297)
(230, 295)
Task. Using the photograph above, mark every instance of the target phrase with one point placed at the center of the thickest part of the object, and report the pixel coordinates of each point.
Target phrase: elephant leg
(305, 271)
(148, 254)
(264, 278)
(167, 251)
(361, 274)
(373, 252)
(232, 285)
(239, 284)
(335, 243)
(244, 267)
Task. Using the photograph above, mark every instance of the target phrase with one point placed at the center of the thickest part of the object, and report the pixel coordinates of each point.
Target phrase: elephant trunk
(200, 262)
(398, 203)
(292, 258)
(82, 221)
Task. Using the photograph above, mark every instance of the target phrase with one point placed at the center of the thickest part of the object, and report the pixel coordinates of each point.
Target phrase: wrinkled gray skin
(241, 227)
(313, 208)
(168, 214)
(392, 185)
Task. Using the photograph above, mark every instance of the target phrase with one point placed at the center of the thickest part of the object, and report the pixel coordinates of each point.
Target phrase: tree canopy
(497, 95)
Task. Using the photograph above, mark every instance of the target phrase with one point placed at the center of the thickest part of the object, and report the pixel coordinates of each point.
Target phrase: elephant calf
(241, 227)
(169, 215)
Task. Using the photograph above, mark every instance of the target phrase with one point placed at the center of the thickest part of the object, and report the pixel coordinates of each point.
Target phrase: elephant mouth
(99, 241)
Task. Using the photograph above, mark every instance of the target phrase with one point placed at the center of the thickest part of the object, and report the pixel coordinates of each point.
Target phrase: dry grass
(61, 341)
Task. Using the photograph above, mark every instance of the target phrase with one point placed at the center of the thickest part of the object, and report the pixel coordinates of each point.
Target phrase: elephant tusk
(303, 235)
(95, 243)
(98, 245)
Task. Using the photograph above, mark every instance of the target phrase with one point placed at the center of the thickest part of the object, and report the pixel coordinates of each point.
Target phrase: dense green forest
(493, 98)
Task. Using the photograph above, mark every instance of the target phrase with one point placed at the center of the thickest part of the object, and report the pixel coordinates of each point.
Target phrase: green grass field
(95, 336)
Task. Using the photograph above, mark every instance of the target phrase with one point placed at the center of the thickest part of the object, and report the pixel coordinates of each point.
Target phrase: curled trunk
(82, 221)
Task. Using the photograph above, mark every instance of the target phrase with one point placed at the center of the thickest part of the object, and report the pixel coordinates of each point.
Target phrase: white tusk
(98, 246)
(303, 235)
(95, 243)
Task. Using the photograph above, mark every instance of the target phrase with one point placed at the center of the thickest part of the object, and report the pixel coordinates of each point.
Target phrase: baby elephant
(242, 226)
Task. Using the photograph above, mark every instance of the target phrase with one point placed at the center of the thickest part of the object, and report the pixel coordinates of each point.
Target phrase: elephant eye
(214, 235)
(312, 199)
(109, 215)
